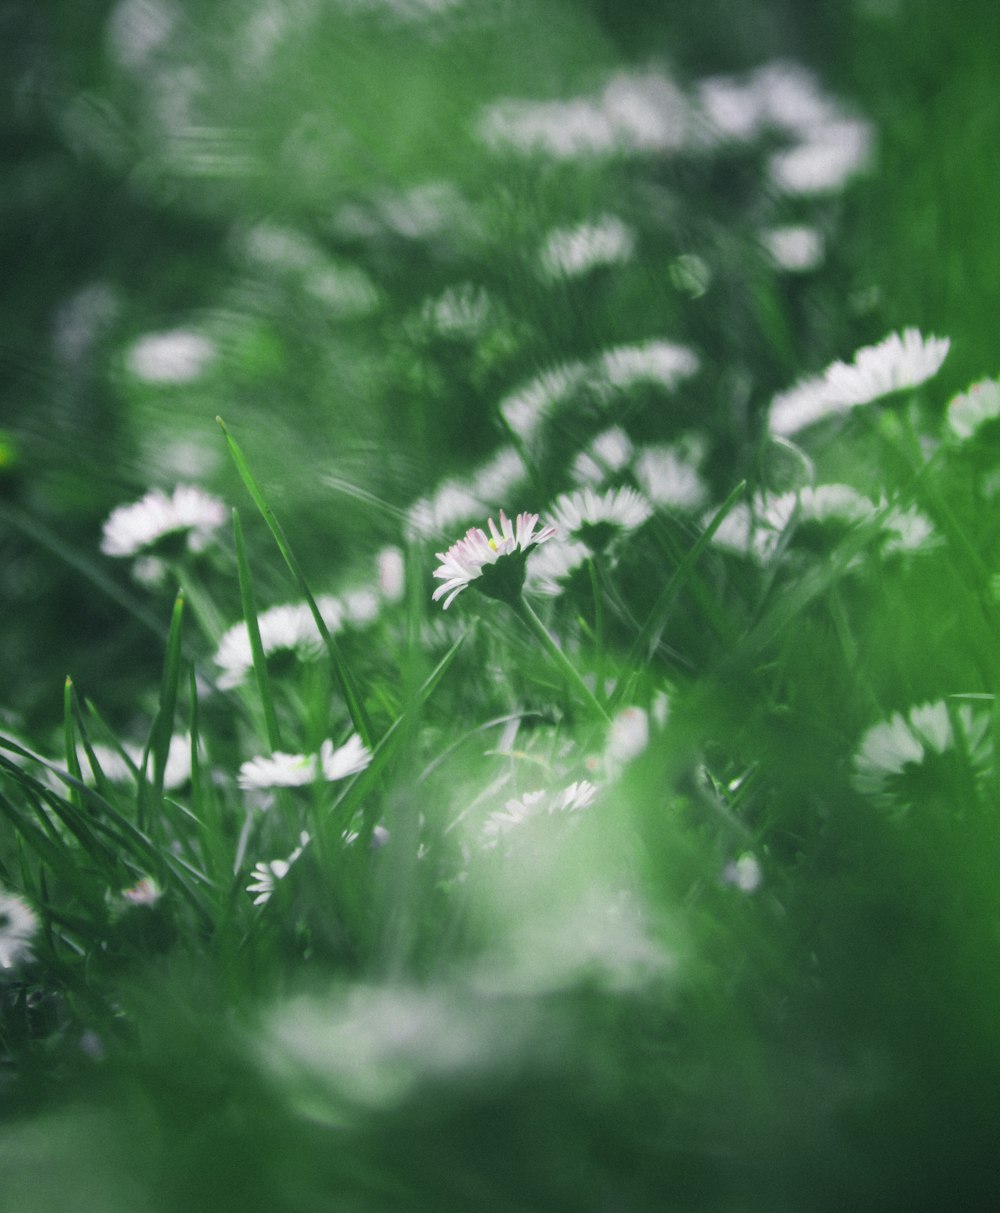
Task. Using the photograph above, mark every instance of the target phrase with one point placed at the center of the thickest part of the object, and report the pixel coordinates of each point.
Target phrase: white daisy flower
(289, 627)
(895, 761)
(176, 773)
(18, 925)
(519, 810)
(796, 248)
(896, 363)
(179, 356)
(907, 530)
(732, 108)
(573, 252)
(825, 160)
(669, 477)
(494, 563)
(351, 758)
(278, 770)
(656, 361)
(550, 568)
(189, 513)
(265, 876)
(525, 409)
(975, 407)
(595, 519)
(608, 453)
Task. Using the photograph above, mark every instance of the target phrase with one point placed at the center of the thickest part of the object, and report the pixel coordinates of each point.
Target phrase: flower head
(494, 562)
(280, 770)
(265, 876)
(596, 519)
(189, 512)
(18, 925)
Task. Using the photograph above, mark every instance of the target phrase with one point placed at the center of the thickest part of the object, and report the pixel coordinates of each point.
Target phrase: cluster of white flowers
(282, 770)
(898, 362)
(639, 112)
(666, 363)
(757, 529)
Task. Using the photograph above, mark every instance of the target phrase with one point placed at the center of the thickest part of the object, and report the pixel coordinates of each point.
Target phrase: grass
(671, 887)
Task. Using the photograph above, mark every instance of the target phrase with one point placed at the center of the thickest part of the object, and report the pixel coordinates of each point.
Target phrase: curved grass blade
(253, 632)
(346, 683)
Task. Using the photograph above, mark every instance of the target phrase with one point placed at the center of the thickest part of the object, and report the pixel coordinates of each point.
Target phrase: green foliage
(661, 873)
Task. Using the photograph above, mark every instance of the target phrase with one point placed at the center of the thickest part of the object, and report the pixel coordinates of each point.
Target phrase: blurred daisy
(669, 477)
(795, 248)
(551, 569)
(286, 628)
(115, 764)
(896, 363)
(743, 873)
(281, 770)
(519, 810)
(265, 876)
(525, 409)
(663, 362)
(190, 516)
(608, 453)
(627, 737)
(974, 408)
(493, 563)
(351, 758)
(597, 519)
(145, 892)
(573, 252)
(892, 365)
(179, 356)
(929, 750)
(18, 924)
(825, 160)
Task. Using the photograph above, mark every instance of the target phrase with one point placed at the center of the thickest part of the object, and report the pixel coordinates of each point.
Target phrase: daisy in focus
(494, 563)
(18, 925)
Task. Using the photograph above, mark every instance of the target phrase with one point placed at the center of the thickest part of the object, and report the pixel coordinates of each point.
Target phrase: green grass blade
(674, 586)
(346, 683)
(69, 736)
(248, 600)
(163, 725)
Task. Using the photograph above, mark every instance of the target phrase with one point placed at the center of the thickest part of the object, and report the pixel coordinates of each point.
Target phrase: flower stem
(527, 614)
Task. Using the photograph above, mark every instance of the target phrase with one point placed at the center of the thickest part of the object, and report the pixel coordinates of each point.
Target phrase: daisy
(663, 362)
(179, 356)
(265, 876)
(669, 476)
(519, 810)
(352, 757)
(743, 873)
(18, 924)
(609, 452)
(494, 563)
(825, 160)
(281, 770)
(188, 514)
(573, 252)
(595, 519)
(896, 363)
(795, 248)
(878, 370)
(551, 568)
(899, 760)
(974, 408)
(286, 628)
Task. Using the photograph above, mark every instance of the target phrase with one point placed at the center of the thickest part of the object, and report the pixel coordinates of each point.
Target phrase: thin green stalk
(69, 735)
(348, 688)
(527, 614)
(248, 600)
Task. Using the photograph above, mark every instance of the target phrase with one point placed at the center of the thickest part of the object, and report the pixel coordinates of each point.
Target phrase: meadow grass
(526, 576)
